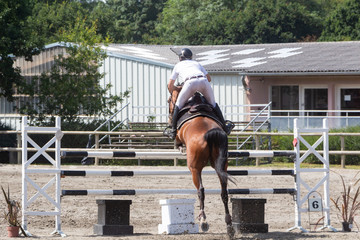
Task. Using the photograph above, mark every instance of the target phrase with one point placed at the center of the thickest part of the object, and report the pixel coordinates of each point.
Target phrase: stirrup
(170, 133)
(229, 125)
(166, 131)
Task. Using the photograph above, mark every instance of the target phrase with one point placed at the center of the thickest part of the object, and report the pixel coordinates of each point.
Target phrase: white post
(297, 164)
(58, 136)
(327, 175)
(24, 184)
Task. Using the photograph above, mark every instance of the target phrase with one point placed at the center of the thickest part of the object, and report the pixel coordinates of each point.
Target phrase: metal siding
(228, 90)
(147, 100)
(112, 76)
(135, 75)
(147, 84)
(148, 95)
(135, 84)
(164, 76)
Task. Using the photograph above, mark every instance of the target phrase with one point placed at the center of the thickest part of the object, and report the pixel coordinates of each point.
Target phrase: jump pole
(132, 154)
(134, 192)
(109, 173)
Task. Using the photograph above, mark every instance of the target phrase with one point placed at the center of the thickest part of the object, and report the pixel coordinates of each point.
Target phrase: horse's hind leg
(196, 176)
(225, 199)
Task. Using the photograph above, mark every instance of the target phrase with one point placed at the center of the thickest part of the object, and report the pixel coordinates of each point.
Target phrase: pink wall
(259, 92)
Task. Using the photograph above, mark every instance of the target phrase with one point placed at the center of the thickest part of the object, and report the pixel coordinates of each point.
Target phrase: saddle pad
(188, 115)
(197, 106)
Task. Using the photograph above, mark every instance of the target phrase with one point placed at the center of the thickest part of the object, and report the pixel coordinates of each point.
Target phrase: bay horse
(205, 142)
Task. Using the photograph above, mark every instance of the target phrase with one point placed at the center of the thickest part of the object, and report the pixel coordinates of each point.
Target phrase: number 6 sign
(315, 204)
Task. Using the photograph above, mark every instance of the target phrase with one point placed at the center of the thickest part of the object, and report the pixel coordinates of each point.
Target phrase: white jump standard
(301, 190)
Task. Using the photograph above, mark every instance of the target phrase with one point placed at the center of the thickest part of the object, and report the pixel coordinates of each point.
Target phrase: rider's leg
(207, 91)
(209, 95)
(186, 92)
(174, 123)
(228, 125)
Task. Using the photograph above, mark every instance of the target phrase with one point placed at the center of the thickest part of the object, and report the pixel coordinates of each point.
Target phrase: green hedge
(352, 143)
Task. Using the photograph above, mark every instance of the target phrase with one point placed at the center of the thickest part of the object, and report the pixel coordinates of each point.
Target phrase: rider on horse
(195, 79)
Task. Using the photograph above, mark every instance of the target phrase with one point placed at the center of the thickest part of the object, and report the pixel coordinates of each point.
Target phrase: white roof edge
(146, 61)
(113, 54)
(342, 73)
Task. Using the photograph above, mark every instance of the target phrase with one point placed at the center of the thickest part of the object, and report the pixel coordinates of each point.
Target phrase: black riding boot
(172, 134)
(228, 125)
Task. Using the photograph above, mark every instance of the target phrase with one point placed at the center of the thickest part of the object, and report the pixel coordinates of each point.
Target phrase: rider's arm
(208, 77)
(171, 85)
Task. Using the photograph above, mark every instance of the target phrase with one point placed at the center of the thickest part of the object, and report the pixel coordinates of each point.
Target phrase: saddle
(197, 106)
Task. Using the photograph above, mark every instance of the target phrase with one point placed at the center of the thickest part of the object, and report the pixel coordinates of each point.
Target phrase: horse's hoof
(204, 226)
(231, 232)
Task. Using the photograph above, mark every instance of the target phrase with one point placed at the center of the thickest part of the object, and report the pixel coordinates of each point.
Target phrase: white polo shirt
(186, 69)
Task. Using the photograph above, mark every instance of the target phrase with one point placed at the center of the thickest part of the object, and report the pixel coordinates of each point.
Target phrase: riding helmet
(185, 54)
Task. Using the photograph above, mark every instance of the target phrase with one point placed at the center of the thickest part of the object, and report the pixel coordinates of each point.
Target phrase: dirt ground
(79, 213)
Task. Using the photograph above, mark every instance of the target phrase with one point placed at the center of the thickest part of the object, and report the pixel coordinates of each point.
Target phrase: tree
(343, 23)
(272, 21)
(49, 17)
(194, 22)
(127, 21)
(17, 38)
(72, 85)
(224, 22)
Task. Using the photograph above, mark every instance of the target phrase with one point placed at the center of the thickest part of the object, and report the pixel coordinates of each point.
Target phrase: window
(350, 100)
(316, 99)
(285, 98)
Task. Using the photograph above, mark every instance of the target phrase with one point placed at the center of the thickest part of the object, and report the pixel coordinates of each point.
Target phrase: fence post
(342, 148)
(175, 159)
(257, 147)
(96, 147)
(18, 139)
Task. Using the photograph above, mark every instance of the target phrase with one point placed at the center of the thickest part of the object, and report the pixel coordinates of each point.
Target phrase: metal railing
(108, 121)
(282, 120)
(258, 119)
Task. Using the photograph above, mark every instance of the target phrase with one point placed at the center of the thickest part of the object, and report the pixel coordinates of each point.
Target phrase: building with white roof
(309, 79)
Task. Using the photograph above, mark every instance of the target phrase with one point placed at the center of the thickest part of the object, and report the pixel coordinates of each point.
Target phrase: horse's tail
(217, 138)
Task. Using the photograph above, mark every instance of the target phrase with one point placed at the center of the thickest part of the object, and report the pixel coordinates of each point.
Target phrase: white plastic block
(177, 216)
